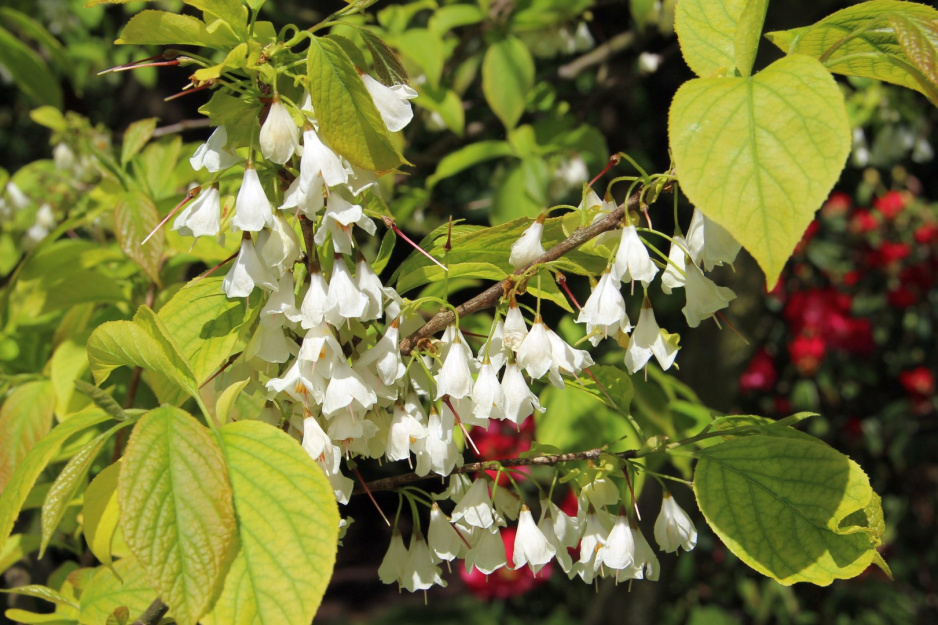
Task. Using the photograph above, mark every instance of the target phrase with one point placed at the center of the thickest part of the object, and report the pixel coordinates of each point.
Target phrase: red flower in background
(890, 204)
(809, 233)
(501, 439)
(889, 253)
(927, 233)
(863, 221)
(836, 205)
(505, 582)
(806, 353)
(918, 382)
(760, 375)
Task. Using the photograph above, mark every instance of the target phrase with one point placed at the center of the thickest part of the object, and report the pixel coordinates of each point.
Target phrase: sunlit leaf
(706, 31)
(507, 78)
(25, 417)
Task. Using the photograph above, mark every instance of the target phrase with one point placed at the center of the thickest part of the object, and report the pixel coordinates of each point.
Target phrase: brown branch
(390, 483)
(597, 55)
(490, 297)
(153, 614)
(186, 124)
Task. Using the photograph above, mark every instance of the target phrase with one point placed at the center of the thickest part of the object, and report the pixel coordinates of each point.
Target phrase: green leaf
(348, 119)
(780, 503)
(425, 49)
(759, 155)
(69, 362)
(388, 67)
(231, 12)
(446, 103)
(50, 117)
(25, 417)
(446, 18)
(205, 324)
(161, 28)
(135, 216)
(135, 137)
(108, 590)
(101, 513)
(706, 31)
(887, 40)
(67, 483)
(45, 593)
(176, 510)
(34, 30)
(748, 32)
(17, 547)
(226, 400)
(102, 399)
(28, 470)
(288, 523)
(507, 78)
(25, 616)
(467, 157)
(29, 71)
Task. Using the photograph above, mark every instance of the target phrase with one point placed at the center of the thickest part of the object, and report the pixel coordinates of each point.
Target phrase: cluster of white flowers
(326, 351)
(608, 544)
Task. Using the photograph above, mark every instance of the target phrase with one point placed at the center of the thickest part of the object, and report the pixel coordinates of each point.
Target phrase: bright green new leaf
(780, 504)
(101, 398)
(388, 67)
(135, 137)
(125, 343)
(507, 78)
(348, 119)
(161, 28)
(29, 72)
(226, 400)
(759, 155)
(135, 216)
(448, 17)
(25, 417)
(288, 523)
(101, 513)
(108, 590)
(67, 483)
(176, 510)
(47, 594)
(50, 117)
(887, 40)
(748, 33)
(28, 470)
(468, 156)
(69, 362)
(205, 324)
(706, 31)
(231, 12)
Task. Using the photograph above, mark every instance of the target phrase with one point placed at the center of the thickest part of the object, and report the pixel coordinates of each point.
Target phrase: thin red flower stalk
(191, 194)
(370, 496)
(447, 401)
(168, 58)
(601, 387)
(628, 483)
(390, 223)
(613, 161)
(562, 281)
(213, 269)
(190, 88)
(732, 327)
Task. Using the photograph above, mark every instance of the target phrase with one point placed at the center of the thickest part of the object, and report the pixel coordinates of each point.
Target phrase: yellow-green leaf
(176, 510)
(28, 470)
(884, 39)
(25, 417)
(67, 483)
(135, 137)
(135, 217)
(507, 78)
(781, 504)
(706, 31)
(348, 118)
(108, 590)
(17, 547)
(101, 513)
(288, 523)
(759, 155)
(161, 28)
(748, 33)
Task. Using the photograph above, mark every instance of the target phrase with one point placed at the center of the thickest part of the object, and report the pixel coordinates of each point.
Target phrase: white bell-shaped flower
(528, 247)
(386, 355)
(281, 305)
(646, 564)
(494, 349)
(488, 554)
(648, 340)
(520, 402)
(370, 285)
(212, 154)
(420, 572)
(436, 451)
(278, 245)
(315, 440)
(565, 359)
(515, 328)
(443, 540)
(202, 217)
(566, 528)
(252, 208)
(618, 552)
(546, 526)
(395, 560)
(346, 391)
(704, 297)
(344, 300)
(600, 492)
(279, 135)
(475, 508)
(308, 200)
(673, 276)
(269, 342)
(407, 427)
(488, 397)
(319, 160)
(247, 272)
(531, 546)
(313, 308)
(341, 484)
(596, 530)
(393, 103)
(535, 354)
(455, 377)
(632, 260)
(604, 310)
(709, 243)
(674, 528)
